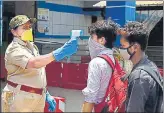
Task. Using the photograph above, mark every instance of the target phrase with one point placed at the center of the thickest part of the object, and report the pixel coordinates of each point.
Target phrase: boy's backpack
(158, 78)
(114, 100)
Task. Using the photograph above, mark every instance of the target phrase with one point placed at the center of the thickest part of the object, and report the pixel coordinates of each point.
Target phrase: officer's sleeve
(93, 82)
(18, 57)
(138, 92)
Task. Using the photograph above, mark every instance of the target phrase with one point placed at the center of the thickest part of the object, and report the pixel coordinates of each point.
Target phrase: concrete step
(45, 48)
(154, 50)
(83, 47)
(153, 53)
(71, 61)
(46, 51)
(75, 58)
(80, 47)
(82, 53)
(153, 58)
(155, 47)
(159, 63)
(79, 53)
(62, 41)
(156, 55)
(51, 46)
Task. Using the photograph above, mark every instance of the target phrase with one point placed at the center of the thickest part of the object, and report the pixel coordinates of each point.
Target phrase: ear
(103, 41)
(136, 46)
(12, 31)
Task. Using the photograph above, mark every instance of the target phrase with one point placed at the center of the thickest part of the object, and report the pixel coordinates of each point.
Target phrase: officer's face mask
(126, 54)
(27, 35)
(94, 48)
(24, 32)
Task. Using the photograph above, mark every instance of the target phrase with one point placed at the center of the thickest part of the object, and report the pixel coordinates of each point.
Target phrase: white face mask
(124, 53)
(94, 48)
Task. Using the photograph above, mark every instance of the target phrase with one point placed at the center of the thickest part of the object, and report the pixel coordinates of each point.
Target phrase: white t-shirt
(99, 74)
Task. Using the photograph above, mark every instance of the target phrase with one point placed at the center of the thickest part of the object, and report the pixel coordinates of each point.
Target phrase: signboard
(43, 27)
(1, 22)
(43, 14)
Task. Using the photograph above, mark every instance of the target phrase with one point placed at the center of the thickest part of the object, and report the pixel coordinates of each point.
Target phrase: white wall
(90, 3)
(61, 23)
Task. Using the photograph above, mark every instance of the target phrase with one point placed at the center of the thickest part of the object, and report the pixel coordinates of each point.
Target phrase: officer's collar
(19, 41)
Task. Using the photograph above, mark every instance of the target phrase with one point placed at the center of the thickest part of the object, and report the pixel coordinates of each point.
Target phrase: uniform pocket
(7, 100)
(25, 101)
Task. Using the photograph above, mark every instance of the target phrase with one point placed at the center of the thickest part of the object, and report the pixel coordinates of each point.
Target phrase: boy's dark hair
(107, 29)
(137, 33)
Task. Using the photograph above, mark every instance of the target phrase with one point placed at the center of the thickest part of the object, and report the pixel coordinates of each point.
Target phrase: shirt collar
(19, 41)
(135, 66)
(106, 51)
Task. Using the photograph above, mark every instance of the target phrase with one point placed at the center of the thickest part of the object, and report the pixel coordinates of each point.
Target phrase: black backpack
(159, 80)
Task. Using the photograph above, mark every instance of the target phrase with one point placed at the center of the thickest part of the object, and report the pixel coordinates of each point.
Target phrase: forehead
(27, 25)
(123, 41)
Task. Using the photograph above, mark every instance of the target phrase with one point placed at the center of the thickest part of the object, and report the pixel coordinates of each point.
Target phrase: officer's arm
(40, 61)
(66, 50)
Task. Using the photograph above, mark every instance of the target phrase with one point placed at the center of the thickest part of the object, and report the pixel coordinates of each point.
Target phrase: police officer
(26, 80)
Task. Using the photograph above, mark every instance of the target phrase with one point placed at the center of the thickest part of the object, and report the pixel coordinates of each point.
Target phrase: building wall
(64, 16)
(142, 15)
(25, 8)
(90, 3)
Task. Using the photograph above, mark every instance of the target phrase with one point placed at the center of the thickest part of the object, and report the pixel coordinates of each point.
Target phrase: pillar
(121, 12)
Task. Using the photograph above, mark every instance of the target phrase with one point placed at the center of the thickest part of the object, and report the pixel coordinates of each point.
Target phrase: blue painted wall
(121, 12)
(65, 8)
(62, 9)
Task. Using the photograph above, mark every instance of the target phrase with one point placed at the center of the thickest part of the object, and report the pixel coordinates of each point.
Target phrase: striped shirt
(99, 74)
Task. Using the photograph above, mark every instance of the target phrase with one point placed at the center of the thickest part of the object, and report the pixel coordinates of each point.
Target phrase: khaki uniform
(16, 58)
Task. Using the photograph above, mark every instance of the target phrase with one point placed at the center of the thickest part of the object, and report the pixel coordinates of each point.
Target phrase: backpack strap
(108, 59)
(110, 62)
(152, 74)
(159, 80)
